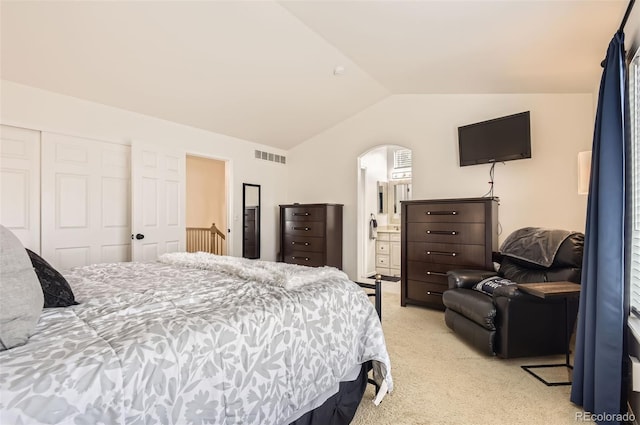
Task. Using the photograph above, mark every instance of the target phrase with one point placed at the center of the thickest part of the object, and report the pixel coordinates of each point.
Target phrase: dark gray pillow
(55, 288)
(21, 300)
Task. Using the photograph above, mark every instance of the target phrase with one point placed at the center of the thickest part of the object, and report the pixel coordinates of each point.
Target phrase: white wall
(32, 108)
(541, 191)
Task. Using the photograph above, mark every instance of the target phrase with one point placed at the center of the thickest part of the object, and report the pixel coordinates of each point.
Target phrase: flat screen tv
(497, 140)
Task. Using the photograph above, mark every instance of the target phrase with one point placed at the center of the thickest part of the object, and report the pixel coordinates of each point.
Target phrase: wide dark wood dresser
(441, 235)
(311, 234)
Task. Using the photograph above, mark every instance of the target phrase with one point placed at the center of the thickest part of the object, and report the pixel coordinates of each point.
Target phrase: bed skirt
(340, 408)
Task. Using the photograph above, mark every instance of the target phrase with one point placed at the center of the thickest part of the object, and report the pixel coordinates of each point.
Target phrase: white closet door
(20, 184)
(158, 201)
(85, 201)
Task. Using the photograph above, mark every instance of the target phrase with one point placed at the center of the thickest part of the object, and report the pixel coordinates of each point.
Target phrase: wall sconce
(584, 172)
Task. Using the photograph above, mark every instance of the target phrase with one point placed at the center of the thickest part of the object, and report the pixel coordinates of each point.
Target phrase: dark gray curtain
(597, 376)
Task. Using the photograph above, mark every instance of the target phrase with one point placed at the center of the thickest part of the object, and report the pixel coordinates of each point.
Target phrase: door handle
(138, 236)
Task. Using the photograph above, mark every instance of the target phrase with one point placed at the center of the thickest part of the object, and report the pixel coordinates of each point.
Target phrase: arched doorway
(384, 179)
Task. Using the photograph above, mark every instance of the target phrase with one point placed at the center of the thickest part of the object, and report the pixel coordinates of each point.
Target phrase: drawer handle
(436, 273)
(441, 212)
(306, 229)
(452, 254)
(302, 214)
(442, 232)
(299, 243)
(300, 258)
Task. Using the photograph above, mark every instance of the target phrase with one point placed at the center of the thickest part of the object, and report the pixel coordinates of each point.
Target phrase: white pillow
(21, 298)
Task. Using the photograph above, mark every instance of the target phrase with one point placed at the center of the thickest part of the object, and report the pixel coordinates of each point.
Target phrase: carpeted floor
(440, 380)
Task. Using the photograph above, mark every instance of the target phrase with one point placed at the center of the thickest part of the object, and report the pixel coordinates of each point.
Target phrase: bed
(196, 338)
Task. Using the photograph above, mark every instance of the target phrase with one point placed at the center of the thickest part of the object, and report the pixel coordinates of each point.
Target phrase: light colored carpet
(441, 380)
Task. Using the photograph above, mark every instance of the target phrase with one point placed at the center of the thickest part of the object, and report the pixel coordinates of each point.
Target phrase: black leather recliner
(510, 323)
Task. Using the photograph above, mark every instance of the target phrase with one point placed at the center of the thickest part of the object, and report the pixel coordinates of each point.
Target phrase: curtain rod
(623, 23)
(626, 15)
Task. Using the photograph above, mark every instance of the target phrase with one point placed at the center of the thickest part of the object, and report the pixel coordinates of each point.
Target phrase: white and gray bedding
(192, 339)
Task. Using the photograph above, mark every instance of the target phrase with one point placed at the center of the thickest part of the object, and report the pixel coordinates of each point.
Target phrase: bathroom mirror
(399, 190)
(382, 197)
(250, 220)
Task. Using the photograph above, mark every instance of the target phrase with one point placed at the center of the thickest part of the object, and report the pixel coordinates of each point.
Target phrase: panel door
(20, 184)
(85, 201)
(158, 202)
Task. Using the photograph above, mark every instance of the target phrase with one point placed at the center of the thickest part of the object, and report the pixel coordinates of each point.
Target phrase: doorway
(382, 171)
(206, 195)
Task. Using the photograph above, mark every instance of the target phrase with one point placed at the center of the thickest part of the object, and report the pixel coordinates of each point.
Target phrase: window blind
(402, 158)
(634, 103)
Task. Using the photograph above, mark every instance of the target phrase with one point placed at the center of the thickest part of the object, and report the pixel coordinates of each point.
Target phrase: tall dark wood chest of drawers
(250, 248)
(311, 234)
(441, 235)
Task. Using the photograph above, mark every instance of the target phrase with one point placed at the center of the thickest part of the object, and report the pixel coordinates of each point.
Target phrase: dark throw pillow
(488, 285)
(56, 289)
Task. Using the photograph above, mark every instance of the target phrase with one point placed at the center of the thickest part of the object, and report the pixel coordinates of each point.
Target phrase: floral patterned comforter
(159, 343)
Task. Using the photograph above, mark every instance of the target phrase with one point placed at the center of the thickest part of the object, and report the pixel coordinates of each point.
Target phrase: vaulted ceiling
(264, 70)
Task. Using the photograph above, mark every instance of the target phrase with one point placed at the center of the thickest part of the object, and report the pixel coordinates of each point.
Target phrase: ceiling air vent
(402, 158)
(268, 156)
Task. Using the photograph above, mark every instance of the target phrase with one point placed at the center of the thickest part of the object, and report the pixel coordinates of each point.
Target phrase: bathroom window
(402, 158)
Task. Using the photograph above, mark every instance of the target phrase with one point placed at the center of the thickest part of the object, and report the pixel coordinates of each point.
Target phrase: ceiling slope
(245, 69)
(470, 46)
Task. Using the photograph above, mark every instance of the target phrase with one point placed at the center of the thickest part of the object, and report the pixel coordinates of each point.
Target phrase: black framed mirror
(250, 220)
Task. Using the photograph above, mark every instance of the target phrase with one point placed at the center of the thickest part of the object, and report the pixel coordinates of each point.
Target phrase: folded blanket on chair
(535, 245)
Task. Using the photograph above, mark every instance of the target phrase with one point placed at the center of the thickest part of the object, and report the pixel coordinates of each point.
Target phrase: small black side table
(564, 290)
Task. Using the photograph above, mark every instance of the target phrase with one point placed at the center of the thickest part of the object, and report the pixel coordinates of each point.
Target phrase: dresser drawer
(313, 259)
(306, 228)
(303, 243)
(458, 233)
(471, 256)
(303, 213)
(430, 272)
(446, 212)
(427, 292)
